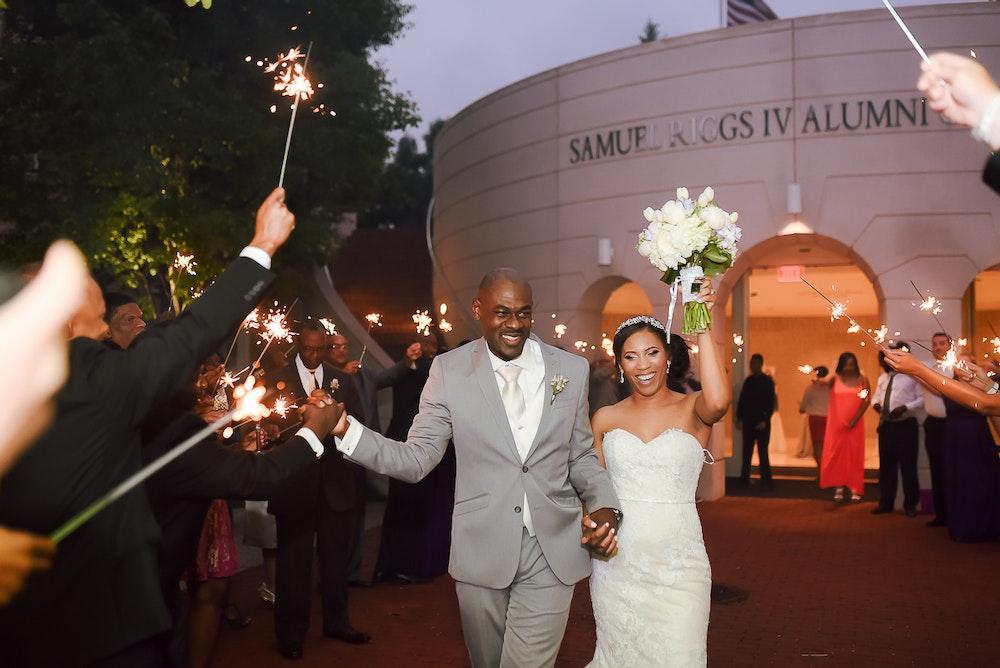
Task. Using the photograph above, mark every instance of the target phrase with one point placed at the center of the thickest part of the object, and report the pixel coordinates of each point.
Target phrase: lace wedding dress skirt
(651, 600)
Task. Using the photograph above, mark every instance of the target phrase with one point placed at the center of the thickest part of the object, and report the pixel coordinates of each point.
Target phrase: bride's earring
(621, 375)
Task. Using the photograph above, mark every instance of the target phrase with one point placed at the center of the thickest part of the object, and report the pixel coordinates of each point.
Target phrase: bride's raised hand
(707, 293)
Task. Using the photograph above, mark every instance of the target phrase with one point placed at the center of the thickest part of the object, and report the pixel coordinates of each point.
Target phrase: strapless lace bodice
(651, 600)
(664, 470)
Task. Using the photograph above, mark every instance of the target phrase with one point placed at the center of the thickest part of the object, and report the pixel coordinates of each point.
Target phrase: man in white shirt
(934, 432)
(897, 398)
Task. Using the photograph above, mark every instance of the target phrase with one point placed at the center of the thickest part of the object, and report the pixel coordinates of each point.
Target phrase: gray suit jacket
(461, 401)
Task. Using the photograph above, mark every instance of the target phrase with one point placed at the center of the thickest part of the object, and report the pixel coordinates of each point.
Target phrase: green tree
(650, 33)
(139, 129)
(406, 185)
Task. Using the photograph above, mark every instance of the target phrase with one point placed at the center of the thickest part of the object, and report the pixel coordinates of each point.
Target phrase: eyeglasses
(337, 346)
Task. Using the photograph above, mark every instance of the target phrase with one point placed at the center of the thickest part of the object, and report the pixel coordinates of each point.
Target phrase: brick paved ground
(827, 585)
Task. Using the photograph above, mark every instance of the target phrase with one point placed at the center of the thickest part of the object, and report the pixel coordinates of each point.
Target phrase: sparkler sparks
(185, 263)
(443, 309)
(423, 322)
(282, 406)
(444, 325)
(854, 328)
(560, 330)
(581, 346)
(328, 325)
(737, 340)
(879, 335)
(863, 394)
(228, 380)
(932, 304)
(806, 369)
(374, 320)
(838, 310)
(608, 346)
(275, 328)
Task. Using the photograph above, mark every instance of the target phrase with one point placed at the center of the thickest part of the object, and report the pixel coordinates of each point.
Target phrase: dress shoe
(265, 593)
(936, 522)
(349, 635)
(293, 652)
(880, 510)
(911, 512)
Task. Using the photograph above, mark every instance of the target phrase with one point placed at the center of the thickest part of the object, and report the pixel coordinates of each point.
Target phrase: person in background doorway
(753, 417)
(843, 463)
(814, 405)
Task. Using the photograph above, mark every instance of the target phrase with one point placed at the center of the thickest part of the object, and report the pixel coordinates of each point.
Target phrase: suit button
(524, 469)
(517, 509)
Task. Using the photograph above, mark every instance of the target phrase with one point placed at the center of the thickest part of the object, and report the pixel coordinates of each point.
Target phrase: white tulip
(733, 217)
(682, 193)
(648, 213)
(706, 196)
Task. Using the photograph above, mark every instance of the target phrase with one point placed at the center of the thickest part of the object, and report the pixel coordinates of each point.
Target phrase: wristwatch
(994, 389)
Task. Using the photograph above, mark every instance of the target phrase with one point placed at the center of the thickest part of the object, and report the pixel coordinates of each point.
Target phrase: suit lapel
(551, 371)
(483, 371)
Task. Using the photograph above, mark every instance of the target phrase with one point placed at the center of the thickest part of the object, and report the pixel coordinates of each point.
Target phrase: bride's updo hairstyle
(676, 348)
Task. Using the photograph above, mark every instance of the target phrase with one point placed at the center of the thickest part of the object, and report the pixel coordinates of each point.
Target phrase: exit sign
(790, 273)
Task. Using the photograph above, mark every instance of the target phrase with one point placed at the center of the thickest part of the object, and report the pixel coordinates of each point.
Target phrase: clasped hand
(600, 532)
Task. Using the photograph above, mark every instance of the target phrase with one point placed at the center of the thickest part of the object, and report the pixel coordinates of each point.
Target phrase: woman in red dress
(844, 443)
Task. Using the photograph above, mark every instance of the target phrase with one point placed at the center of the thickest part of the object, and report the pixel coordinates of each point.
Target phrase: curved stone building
(811, 128)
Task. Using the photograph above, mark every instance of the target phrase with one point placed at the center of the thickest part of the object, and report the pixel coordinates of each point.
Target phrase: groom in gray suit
(517, 410)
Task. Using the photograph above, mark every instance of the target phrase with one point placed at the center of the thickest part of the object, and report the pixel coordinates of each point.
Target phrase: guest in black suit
(322, 504)
(367, 383)
(124, 318)
(101, 602)
(181, 492)
(416, 528)
(753, 416)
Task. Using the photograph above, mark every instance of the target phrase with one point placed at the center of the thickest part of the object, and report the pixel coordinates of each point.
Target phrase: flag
(739, 12)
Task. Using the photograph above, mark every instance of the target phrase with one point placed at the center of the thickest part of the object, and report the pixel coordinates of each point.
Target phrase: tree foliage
(406, 185)
(139, 130)
(650, 33)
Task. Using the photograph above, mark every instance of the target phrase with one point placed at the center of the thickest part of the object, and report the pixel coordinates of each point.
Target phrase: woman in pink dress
(843, 462)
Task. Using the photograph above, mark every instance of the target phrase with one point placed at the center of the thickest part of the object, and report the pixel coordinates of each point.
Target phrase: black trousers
(934, 443)
(762, 438)
(333, 532)
(897, 451)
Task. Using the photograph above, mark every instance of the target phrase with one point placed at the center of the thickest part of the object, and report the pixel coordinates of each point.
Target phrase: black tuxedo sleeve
(210, 470)
(991, 172)
(389, 377)
(164, 358)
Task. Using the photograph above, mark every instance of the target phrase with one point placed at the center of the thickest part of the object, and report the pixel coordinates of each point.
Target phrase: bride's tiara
(641, 318)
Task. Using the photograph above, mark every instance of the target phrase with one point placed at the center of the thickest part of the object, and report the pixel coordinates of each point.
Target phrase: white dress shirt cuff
(349, 442)
(257, 255)
(310, 437)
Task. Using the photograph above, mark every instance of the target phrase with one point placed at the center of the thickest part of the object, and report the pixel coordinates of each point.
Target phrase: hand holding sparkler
(374, 320)
(274, 223)
(970, 97)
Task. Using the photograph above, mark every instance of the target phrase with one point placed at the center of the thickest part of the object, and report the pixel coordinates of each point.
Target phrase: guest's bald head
(504, 309)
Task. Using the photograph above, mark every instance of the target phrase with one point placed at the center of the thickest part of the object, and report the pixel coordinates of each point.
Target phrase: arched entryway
(771, 311)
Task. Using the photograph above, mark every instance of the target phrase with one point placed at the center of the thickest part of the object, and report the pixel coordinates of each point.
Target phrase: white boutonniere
(558, 384)
(334, 385)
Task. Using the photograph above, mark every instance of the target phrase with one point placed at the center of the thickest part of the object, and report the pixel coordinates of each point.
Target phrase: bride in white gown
(651, 598)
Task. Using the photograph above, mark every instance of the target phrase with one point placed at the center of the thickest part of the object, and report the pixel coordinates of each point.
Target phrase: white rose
(648, 213)
(715, 217)
(672, 213)
(706, 196)
(682, 193)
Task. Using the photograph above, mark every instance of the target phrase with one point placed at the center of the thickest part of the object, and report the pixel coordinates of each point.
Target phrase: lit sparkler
(560, 330)
(185, 263)
(423, 322)
(444, 325)
(248, 405)
(581, 346)
(328, 325)
(374, 320)
(608, 346)
(806, 369)
(863, 394)
(854, 328)
(737, 340)
(281, 407)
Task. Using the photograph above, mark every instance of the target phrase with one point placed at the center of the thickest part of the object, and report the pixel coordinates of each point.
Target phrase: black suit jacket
(991, 172)
(182, 490)
(367, 383)
(406, 399)
(102, 593)
(333, 479)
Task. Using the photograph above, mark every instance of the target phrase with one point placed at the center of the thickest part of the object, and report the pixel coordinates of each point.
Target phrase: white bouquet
(687, 239)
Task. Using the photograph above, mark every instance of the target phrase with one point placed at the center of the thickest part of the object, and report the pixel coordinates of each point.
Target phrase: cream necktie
(315, 380)
(513, 397)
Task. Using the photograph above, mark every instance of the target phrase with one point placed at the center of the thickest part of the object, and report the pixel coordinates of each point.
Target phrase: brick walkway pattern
(827, 585)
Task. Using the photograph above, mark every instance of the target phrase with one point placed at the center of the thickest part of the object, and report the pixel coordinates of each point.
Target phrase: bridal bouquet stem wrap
(688, 239)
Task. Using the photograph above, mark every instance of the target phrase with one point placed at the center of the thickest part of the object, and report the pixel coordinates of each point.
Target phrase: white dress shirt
(933, 403)
(905, 392)
(532, 384)
(306, 376)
